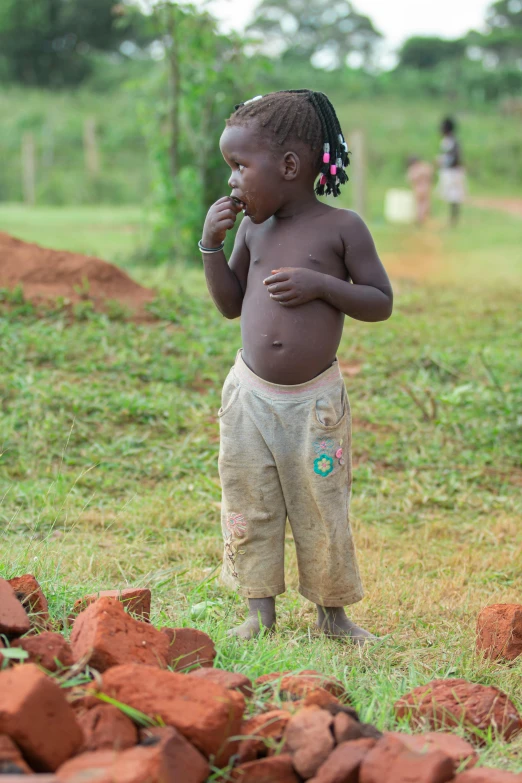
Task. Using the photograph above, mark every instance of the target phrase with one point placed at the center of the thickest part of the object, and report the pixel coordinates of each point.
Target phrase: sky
(396, 19)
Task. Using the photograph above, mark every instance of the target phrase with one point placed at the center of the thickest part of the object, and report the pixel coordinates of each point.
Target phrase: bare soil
(45, 275)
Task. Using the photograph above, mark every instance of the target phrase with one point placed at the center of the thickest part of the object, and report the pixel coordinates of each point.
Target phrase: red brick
(458, 749)
(165, 757)
(446, 703)
(486, 775)
(30, 595)
(105, 635)
(135, 600)
(277, 769)
(81, 699)
(105, 727)
(300, 683)
(389, 760)
(11, 760)
(35, 714)
(13, 617)
(499, 631)
(204, 712)
(232, 681)
(343, 764)
(261, 733)
(189, 647)
(309, 737)
(45, 649)
(347, 728)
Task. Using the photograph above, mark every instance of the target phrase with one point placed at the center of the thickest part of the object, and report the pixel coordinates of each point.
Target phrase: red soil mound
(46, 274)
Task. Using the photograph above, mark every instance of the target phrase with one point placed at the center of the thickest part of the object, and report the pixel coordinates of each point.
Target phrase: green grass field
(110, 439)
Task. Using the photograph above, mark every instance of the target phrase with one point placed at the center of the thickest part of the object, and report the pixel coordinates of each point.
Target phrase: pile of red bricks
(155, 710)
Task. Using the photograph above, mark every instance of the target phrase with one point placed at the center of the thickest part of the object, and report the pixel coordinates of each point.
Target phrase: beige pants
(285, 452)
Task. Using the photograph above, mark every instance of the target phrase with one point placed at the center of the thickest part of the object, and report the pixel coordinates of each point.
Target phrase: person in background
(420, 177)
(452, 176)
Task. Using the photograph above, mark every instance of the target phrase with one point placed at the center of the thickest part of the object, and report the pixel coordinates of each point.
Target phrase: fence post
(90, 147)
(28, 169)
(359, 171)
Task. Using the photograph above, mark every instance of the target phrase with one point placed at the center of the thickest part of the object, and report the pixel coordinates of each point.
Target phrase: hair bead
(308, 116)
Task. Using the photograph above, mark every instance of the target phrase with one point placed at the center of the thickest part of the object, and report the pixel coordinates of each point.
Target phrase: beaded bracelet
(210, 249)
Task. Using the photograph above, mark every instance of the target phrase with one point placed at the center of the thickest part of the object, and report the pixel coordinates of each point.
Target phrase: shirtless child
(297, 268)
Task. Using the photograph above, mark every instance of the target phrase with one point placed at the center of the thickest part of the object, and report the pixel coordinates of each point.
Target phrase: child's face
(256, 177)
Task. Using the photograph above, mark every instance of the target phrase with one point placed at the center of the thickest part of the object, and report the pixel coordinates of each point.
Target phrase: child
(297, 267)
(452, 184)
(420, 177)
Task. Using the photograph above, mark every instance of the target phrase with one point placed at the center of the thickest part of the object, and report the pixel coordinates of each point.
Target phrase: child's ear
(291, 165)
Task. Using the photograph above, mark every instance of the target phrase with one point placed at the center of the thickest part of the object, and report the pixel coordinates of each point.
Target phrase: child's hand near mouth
(221, 217)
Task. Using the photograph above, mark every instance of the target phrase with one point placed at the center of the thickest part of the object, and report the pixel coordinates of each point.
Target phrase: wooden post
(48, 145)
(90, 147)
(28, 169)
(174, 80)
(359, 171)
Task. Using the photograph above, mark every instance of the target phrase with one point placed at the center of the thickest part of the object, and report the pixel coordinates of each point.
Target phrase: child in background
(452, 182)
(420, 177)
(297, 268)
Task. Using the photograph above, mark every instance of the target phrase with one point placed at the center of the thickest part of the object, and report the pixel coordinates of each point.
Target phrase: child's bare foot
(334, 622)
(261, 615)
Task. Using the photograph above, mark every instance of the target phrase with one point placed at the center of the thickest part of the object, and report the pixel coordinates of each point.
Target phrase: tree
(502, 45)
(424, 52)
(183, 114)
(312, 29)
(47, 43)
(504, 14)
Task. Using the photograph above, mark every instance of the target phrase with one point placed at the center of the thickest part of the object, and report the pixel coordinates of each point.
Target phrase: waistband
(327, 379)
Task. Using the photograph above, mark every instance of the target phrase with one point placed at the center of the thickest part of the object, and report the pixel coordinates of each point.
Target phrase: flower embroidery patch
(324, 446)
(323, 465)
(236, 524)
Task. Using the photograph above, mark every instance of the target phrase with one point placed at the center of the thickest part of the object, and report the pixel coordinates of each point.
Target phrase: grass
(110, 232)
(109, 462)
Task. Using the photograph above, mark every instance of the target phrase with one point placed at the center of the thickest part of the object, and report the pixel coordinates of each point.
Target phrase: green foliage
(429, 51)
(311, 29)
(47, 43)
(183, 110)
(56, 120)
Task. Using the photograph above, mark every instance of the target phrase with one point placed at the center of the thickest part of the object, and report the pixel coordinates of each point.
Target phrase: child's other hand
(292, 286)
(221, 217)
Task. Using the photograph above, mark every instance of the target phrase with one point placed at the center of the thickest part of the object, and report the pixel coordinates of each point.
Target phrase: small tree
(205, 75)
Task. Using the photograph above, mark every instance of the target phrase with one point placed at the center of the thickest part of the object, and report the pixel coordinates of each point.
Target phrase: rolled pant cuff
(321, 600)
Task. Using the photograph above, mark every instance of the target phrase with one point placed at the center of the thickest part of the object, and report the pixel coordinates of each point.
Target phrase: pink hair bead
(333, 170)
(322, 181)
(326, 157)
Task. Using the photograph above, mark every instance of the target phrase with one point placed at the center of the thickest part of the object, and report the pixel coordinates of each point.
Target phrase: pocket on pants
(331, 408)
(229, 394)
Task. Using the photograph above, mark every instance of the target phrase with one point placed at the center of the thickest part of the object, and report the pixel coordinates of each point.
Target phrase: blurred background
(112, 111)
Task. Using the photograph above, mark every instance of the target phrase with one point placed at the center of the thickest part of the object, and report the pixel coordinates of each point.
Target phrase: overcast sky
(396, 19)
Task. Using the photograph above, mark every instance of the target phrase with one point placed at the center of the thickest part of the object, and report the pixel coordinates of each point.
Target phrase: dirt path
(512, 206)
(421, 257)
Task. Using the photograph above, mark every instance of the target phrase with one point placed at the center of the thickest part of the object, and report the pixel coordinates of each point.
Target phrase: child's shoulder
(345, 220)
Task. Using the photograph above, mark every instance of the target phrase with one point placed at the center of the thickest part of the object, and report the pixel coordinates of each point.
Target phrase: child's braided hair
(310, 117)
